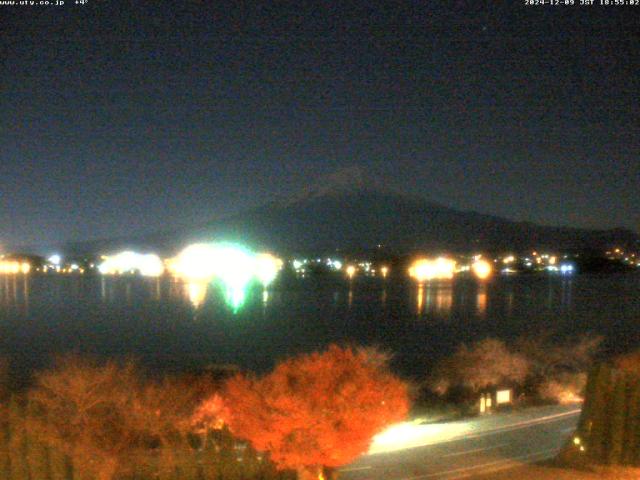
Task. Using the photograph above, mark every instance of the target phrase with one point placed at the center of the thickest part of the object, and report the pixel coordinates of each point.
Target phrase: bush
(565, 388)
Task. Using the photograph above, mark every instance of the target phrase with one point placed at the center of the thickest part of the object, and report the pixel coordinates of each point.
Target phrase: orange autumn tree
(317, 411)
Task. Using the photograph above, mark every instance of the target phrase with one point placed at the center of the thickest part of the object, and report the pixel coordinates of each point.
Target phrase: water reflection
(103, 289)
(444, 299)
(509, 303)
(510, 298)
(481, 299)
(566, 293)
(129, 290)
(158, 289)
(196, 292)
(234, 296)
(429, 298)
(25, 289)
(16, 292)
(550, 292)
(420, 299)
(90, 313)
(434, 298)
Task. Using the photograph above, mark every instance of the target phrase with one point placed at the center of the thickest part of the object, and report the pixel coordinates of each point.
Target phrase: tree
(5, 462)
(617, 421)
(161, 413)
(629, 363)
(317, 411)
(632, 437)
(108, 420)
(78, 407)
(609, 428)
(539, 366)
(548, 359)
(486, 363)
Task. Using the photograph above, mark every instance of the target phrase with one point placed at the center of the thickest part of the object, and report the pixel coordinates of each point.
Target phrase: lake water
(158, 322)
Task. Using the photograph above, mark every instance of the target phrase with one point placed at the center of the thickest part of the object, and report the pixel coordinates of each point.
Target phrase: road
(464, 449)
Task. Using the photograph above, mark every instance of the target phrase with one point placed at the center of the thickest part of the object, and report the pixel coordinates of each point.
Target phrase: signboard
(503, 396)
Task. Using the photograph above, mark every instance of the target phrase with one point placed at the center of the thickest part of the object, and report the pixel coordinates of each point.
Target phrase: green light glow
(232, 267)
(235, 298)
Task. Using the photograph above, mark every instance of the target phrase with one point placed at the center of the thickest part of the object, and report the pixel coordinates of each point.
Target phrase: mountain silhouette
(350, 211)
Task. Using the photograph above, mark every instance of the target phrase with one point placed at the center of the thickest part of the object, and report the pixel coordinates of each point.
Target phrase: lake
(167, 324)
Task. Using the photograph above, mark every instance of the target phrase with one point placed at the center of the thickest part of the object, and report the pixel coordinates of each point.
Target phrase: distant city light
(384, 270)
(195, 262)
(9, 267)
(422, 270)
(54, 260)
(366, 266)
(567, 268)
(481, 269)
(425, 269)
(267, 268)
(351, 271)
(150, 265)
(147, 265)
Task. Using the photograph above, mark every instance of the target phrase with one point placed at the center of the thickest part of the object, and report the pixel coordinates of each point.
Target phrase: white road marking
(475, 450)
(355, 469)
(521, 425)
(508, 464)
(494, 466)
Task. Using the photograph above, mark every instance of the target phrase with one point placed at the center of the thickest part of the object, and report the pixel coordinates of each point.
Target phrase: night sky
(129, 117)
